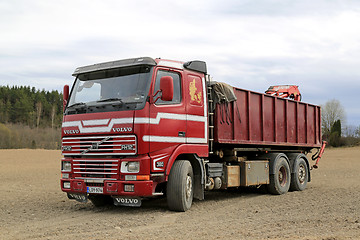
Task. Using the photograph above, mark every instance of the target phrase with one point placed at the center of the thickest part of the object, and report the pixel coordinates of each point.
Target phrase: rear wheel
(299, 176)
(180, 186)
(280, 181)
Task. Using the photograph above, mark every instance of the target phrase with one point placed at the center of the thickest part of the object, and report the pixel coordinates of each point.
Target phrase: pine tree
(31, 107)
(335, 134)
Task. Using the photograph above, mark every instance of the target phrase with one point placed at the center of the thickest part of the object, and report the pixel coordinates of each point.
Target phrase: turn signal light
(137, 177)
(143, 177)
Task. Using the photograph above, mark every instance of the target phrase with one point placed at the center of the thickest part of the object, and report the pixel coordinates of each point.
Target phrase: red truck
(141, 128)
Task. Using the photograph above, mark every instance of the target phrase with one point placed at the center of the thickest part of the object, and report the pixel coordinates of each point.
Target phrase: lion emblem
(194, 94)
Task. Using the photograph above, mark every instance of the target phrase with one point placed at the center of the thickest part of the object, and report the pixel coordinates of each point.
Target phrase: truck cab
(126, 122)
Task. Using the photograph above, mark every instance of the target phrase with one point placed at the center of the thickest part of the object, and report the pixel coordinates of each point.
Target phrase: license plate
(127, 201)
(95, 189)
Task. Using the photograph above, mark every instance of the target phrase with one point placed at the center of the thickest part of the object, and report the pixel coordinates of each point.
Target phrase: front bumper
(114, 188)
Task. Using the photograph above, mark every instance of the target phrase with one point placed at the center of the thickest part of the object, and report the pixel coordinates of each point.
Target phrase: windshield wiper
(110, 100)
(77, 104)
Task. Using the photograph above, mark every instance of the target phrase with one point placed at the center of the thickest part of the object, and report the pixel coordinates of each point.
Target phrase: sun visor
(115, 64)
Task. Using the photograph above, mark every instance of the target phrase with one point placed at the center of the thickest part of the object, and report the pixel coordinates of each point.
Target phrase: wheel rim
(282, 176)
(301, 174)
(188, 187)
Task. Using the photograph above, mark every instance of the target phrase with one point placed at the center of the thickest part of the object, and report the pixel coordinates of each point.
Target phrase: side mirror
(65, 96)
(167, 88)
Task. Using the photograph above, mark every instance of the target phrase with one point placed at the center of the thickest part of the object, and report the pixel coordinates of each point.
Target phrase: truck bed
(258, 120)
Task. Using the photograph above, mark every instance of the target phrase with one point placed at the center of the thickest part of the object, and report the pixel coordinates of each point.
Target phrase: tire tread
(175, 194)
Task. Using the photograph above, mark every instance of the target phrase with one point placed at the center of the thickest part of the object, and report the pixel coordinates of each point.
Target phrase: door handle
(181, 134)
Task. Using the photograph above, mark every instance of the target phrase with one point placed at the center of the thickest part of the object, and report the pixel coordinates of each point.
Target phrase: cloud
(250, 44)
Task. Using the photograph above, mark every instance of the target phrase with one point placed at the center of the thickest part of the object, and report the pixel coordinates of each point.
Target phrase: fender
(197, 163)
(196, 149)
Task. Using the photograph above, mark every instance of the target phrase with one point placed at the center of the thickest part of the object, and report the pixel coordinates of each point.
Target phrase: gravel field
(33, 206)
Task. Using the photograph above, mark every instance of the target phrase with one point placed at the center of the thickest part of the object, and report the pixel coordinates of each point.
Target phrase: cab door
(167, 118)
(195, 95)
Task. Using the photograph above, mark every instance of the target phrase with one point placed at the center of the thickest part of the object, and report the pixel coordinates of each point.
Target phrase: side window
(177, 86)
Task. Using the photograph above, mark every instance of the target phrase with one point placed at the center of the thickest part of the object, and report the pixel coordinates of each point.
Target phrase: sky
(248, 44)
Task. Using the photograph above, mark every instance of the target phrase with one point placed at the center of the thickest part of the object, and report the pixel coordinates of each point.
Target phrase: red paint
(263, 120)
(285, 91)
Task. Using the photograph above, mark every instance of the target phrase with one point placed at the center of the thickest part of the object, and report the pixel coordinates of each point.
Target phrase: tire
(300, 175)
(100, 200)
(280, 181)
(180, 186)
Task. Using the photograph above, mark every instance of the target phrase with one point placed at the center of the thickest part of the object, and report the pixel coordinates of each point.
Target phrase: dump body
(260, 120)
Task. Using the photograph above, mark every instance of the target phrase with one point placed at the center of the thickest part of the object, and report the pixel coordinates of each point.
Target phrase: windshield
(125, 86)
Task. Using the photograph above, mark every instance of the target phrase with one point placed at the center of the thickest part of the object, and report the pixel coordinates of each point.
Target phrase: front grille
(96, 170)
(99, 145)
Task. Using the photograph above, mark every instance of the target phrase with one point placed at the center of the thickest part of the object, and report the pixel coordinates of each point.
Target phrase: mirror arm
(158, 91)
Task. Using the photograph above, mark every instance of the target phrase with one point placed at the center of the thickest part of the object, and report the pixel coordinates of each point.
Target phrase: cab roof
(198, 66)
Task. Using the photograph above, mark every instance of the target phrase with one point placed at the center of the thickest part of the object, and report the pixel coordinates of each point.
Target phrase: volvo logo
(122, 129)
(95, 145)
(71, 131)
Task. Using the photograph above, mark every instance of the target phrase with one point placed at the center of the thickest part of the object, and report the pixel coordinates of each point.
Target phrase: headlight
(133, 167)
(130, 167)
(66, 166)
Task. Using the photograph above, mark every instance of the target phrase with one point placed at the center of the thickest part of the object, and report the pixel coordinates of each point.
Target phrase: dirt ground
(33, 207)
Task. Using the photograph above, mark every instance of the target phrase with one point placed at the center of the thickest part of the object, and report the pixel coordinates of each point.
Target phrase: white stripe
(95, 122)
(140, 120)
(171, 116)
(196, 140)
(151, 138)
(158, 159)
(108, 128)
(205, 109)
(148, 138)
(118, 136)
(160, 156)
(71, 124)
(204, 95)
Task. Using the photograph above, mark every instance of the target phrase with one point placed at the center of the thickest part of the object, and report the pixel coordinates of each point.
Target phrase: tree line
(334, 129)
(31, 107)
(31, 118)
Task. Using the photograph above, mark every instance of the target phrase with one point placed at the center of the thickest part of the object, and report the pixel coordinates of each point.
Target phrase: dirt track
(33, 207)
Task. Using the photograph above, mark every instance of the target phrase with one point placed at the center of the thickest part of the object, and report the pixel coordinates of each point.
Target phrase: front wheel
(180, 186)
(280, 181)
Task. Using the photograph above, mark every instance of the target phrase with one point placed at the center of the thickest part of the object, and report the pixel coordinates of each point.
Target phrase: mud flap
(126, 201)
(83, 198)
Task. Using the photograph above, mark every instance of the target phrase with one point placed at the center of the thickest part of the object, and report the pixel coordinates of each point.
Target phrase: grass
(15, 136)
